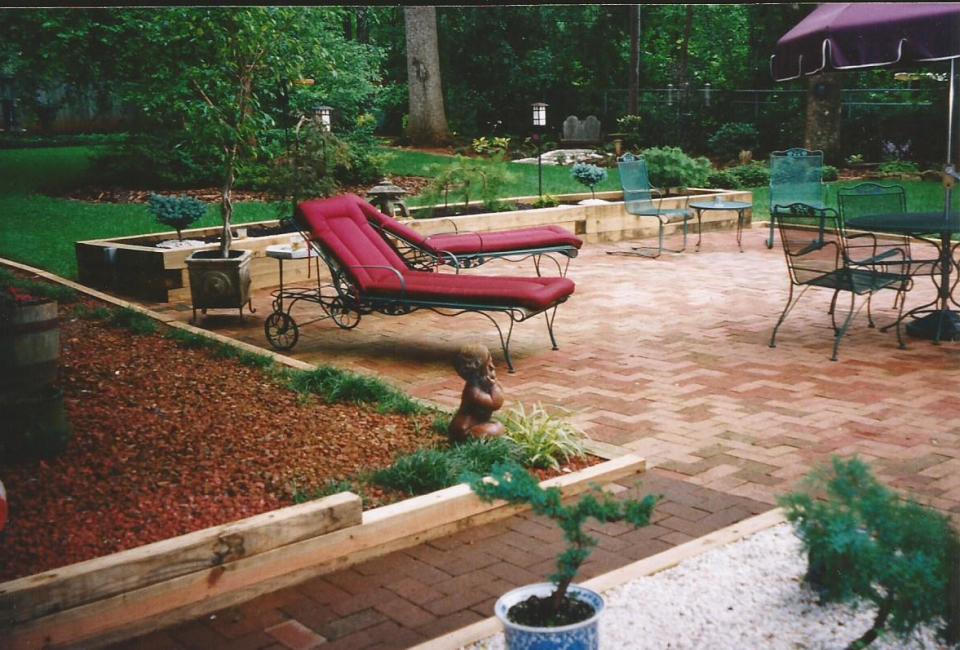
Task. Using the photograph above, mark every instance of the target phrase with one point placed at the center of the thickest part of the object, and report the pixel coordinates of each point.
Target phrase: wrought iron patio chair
(464, 250)
(873, 247)
(796, 176)
(368, 276)
(816, 255)
(642, 200)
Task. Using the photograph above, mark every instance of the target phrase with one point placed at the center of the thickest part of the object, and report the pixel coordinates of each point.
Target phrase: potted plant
(557, 614)
(589, 175)
(177, 212)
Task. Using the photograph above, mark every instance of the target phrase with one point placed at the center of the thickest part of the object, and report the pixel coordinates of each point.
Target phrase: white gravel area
(744, 596)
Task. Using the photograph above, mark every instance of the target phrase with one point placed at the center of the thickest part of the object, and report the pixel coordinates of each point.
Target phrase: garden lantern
(706, 94)
(539, 123)
(323, 114)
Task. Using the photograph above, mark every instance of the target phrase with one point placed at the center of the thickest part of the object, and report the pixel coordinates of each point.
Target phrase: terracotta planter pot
(219, 283)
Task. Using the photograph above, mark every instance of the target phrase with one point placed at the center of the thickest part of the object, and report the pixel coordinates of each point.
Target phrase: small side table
(281, 252)
(739, 206)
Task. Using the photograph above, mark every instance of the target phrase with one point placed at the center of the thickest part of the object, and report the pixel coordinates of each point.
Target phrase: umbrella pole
(950, 116)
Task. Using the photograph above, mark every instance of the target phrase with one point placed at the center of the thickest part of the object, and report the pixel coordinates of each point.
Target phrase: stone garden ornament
(481, 396)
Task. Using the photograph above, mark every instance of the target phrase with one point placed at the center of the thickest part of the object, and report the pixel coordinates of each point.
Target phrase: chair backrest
(812, 241)
(341, 227)
(871, 198)
(635, 181)
(796, 176)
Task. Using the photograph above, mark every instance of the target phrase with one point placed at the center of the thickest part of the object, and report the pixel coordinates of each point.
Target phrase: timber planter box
(135, 267)
(132, 592)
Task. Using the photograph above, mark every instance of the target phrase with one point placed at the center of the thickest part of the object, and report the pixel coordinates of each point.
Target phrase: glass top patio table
(934, 320)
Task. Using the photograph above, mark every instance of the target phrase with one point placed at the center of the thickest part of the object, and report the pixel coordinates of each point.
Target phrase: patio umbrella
(858, 36)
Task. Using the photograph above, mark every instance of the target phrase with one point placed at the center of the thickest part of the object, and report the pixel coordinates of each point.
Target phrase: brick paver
(666, 357)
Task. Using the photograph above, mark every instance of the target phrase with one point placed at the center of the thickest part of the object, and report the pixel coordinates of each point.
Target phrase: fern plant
(545, 440)
(866, 543)
(510, 482)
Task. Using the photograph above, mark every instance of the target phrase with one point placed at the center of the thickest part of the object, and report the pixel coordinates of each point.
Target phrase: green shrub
(331, 487)
(546, 201)
(589, 175)
(132, 320)
(865, 543)
(732, 138)
(670, 167)
(830, 173)
(722, 180)
(489, 146)
(336, 385)
(544, 440)
(754, 174)
(177, 212)
(468, 178)
(899, 168)
(188, 340)
(513, 484)
(630, 126)
(91, 313)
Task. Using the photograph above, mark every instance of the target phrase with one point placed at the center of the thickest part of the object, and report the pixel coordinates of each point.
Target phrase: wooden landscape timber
(225, 578)
(133, 266)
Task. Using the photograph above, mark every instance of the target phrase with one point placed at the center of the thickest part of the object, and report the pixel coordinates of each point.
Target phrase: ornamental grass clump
(546, 441)
(589, 175)
(865, 543)
(510, 482)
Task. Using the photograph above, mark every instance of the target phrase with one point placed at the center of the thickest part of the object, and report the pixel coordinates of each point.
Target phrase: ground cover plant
(865, 543)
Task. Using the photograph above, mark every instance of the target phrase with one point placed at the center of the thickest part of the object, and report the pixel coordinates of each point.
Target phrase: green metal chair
(639, 200)
(796, 176)
(817, 256)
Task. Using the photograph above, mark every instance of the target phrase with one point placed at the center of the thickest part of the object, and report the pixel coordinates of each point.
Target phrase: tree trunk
(427, 120)
(633, 80)
(824, 95)
(685, 48)
(226, 203)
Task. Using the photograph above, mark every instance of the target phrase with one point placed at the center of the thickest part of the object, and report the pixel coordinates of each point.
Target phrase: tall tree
(633, 79)
(428, 121)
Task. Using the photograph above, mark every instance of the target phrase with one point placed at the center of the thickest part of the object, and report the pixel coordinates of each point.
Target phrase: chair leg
(770, 238)
(846, 324)
(504, 342)
(791, 303)
(833, 310)
(870, 322)
(550, 315)
(900, 344)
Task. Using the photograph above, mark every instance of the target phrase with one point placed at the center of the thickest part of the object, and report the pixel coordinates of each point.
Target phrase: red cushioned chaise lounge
(369, 275)
(468, 250)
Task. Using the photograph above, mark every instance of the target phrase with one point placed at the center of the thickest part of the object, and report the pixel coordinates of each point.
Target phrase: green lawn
(40, 230)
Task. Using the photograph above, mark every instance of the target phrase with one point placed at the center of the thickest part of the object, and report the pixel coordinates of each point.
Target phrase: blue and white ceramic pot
(584, 635)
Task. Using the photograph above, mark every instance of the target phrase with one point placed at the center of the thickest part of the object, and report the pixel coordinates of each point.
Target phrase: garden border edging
(646, 567)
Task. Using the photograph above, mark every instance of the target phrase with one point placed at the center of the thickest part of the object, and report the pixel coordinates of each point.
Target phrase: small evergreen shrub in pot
(558, 614)
(589, 175)
(177, 212)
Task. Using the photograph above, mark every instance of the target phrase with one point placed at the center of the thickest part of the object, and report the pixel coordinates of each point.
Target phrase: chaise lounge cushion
(341, 226)
(500, 241)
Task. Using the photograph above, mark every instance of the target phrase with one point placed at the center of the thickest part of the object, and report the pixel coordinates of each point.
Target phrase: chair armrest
(403, 283)
(475, 234)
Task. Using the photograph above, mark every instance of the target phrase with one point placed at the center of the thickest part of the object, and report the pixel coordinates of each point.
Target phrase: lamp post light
(539, 124)
(706, 93)
(323, 114)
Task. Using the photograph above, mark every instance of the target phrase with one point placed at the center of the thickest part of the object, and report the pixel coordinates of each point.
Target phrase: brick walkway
(407, 597)
(666, 357)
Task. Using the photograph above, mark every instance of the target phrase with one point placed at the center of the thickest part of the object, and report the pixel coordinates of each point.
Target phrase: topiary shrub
(722, 180)
(589, 175)
(732, 138)
(176, 212)
(670, 167)
(866, 543)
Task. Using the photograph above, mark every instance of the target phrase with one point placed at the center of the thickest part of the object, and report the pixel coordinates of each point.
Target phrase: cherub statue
(481, 395)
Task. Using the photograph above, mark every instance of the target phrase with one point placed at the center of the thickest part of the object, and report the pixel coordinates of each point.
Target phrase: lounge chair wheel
(281, 330)
(342, 315)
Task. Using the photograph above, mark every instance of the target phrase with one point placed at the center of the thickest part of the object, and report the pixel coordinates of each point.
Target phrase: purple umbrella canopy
(852, 36)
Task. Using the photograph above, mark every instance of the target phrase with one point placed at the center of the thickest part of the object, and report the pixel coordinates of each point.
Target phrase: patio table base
(926, 326)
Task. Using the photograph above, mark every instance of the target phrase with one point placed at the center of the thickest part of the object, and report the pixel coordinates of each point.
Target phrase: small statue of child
(482, 395)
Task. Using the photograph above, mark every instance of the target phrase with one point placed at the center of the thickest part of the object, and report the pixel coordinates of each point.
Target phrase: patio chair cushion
(500, 241)
(342, 227)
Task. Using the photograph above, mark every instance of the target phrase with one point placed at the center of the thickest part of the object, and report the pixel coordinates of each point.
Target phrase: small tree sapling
(589, 175)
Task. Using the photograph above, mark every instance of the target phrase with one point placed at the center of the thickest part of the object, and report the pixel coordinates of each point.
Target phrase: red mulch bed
(169, 440)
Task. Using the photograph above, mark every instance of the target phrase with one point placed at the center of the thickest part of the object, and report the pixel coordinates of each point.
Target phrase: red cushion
(535, 294)
(501, 241)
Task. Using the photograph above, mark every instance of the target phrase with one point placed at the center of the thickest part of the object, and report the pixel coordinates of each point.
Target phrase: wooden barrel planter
(29, 346)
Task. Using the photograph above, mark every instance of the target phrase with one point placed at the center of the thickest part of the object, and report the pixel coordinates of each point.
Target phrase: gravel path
(744, 596)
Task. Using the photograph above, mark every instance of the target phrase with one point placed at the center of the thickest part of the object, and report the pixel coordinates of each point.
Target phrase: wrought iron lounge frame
(342, 301)
(821, 234)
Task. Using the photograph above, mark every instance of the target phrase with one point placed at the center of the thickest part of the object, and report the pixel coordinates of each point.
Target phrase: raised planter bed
(130, 592)
(133, 266)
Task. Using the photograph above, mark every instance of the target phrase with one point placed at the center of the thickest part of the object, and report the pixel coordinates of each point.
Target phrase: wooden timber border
(116, 597)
